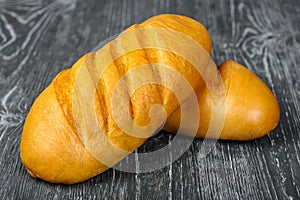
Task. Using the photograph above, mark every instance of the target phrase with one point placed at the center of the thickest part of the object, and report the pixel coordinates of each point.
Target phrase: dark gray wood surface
(40, 38)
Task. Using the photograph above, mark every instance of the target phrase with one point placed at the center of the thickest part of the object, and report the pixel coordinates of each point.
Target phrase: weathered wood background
(40, 38)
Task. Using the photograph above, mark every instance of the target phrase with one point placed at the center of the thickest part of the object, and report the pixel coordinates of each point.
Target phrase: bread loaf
(58, 141)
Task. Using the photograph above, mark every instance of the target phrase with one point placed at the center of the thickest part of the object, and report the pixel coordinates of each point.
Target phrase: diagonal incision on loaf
(122, 66)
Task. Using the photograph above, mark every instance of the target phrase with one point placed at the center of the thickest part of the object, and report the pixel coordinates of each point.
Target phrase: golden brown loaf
(251, 109)
(52, 148)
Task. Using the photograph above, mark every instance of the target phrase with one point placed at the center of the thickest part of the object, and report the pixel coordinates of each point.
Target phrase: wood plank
(40, 38)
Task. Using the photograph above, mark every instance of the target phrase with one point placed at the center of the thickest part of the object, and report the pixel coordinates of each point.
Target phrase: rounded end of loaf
(252, 110)
(183, 25)
(49, 148)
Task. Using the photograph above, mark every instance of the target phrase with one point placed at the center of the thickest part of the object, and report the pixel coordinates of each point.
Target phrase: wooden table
(40, 38)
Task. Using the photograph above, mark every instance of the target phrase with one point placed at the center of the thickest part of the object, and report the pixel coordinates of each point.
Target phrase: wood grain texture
(40, 38)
